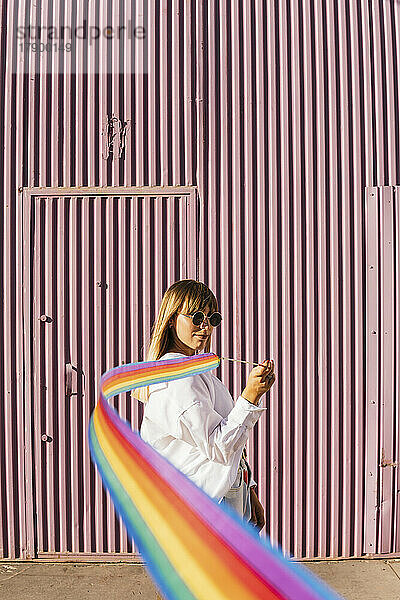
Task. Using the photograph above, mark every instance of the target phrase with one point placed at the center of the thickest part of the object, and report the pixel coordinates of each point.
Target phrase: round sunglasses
(199, 317)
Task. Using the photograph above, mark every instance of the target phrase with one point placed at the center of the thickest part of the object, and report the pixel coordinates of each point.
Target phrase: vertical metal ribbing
(94, 142)
(3, 261)
(79, 118)
(114, 88)
(25, 250)
(60, 405)
(123, 295)
(39, 403)
(54, 151)
(42, 98)
(24, 473)
(10, 501)
(180, 266)
(237, 195)
(192, 203)
(74, 425)
(386, 333)
(334, 384)
(110, 323)
(356, 216)
(158, 257)
(344, 221)
(200, 171)
(391, 88)
(139, 108)
(135, 277)
(215, 117)
(170, 258)
(262, 262)
(377, 92)
(308, 425)
(287, 198)
(67, 157)
(3, 356)
(366, 92)
(372, 368)
(24, 469)
(396, 530)
(176, 86)
(225, 204)
(117, 324)
(71, 356)
(273, 498)
(99, 320)
(395, 56)
(247, 316)
(128, 99)
(210, 142)
(48, 384)
(102, 46)
(187, 100)
(164, 85)
(184, 242)
(322, 135)
(54, 111)
(88, 399)
(153, 85)
(300, 357)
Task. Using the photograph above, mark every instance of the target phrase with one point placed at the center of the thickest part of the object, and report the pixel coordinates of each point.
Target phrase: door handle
(71, 380)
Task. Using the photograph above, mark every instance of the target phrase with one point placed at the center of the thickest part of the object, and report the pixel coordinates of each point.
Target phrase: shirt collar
(174, 355)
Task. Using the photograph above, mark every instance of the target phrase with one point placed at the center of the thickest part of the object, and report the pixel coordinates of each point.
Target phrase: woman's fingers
(266, 369)
(261, 522)
(268, 373)
(260, 380)
(257, 512)
(263, 368)
(268, 380)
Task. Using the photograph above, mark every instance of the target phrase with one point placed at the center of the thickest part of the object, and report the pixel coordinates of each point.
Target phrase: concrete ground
(38, 580)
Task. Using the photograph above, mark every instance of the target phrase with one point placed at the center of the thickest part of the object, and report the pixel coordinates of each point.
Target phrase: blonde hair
(187, 296)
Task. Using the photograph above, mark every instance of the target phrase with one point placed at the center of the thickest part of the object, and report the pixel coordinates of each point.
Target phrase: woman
(194, 421)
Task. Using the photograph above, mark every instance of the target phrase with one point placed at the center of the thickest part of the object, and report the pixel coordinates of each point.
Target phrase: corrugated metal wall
(281, 113)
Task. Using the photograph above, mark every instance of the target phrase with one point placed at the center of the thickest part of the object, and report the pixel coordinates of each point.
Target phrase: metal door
(382, 507)
(99, 263)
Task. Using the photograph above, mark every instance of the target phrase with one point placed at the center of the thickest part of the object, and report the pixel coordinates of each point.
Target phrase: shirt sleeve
(201, 426)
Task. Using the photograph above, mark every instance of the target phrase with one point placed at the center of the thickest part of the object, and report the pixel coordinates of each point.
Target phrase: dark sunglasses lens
(215, 319)
(198, 318)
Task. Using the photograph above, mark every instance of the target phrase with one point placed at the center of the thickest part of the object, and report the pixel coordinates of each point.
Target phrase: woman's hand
(257, 510)
(260, 381)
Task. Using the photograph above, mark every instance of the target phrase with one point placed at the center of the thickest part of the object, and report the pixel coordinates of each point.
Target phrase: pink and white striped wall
(276, 116)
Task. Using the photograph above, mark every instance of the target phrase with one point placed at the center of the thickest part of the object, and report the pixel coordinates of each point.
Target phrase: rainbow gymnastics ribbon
(193, 547)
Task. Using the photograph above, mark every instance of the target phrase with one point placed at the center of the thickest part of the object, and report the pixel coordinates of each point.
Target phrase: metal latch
(71, 380)
(114, 137)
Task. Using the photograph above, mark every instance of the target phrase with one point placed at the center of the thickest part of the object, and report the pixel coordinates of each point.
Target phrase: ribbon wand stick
(242, 361)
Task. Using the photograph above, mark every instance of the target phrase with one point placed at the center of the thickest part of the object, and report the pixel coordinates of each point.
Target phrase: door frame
(29, 547)
(382, 446)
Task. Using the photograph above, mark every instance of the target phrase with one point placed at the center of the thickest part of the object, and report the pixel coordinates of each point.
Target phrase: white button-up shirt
(196, 425)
